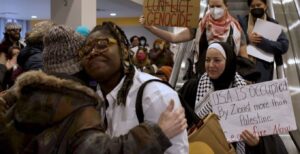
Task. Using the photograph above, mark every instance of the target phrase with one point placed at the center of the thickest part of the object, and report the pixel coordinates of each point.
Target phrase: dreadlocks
(123, 43)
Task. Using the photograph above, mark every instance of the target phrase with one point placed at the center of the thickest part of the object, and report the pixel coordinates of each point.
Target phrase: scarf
(218, 31)
(205, 87)
(203, 106)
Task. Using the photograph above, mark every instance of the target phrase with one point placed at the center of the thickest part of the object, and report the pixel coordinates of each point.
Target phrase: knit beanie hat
(83, 30)
(12, 25)
(38, 31)
(61, 50)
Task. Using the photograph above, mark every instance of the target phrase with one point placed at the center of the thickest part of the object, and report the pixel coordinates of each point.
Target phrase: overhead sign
(174, 13)
(263, 109)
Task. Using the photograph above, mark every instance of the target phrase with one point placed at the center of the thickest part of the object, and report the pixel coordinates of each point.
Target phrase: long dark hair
(250, 1)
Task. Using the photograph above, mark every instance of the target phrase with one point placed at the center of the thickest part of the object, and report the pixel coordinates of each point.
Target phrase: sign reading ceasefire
(173, 13)
(263, 109)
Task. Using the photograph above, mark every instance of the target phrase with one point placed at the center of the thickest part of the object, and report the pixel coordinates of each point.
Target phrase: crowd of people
(74, 91)
(157, 60)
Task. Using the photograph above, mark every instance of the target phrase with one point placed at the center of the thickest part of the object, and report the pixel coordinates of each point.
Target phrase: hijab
(227, 77)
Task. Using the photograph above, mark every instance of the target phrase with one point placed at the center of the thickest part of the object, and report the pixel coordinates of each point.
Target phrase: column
(74, 12)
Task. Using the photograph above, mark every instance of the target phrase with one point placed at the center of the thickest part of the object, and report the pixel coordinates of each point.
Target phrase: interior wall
(139, 31)
(131, 27)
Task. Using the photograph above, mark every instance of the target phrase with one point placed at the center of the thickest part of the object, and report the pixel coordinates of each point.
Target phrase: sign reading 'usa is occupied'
(263, 109)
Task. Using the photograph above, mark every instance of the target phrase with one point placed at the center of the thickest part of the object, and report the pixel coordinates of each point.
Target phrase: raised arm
(185, 35)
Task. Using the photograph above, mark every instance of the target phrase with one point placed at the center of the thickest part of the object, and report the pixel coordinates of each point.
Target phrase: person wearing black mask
(269, 144)
(143, 42)
(277, 48)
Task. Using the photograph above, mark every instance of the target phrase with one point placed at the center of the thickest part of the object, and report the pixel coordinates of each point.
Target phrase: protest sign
(174, 13)
(263, 109)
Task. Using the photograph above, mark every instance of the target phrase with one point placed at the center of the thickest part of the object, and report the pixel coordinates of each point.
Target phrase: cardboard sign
(173, 13)
(263, 109)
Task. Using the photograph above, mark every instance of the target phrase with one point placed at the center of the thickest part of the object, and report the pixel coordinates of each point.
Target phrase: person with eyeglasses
(54, 112)
(105, 57)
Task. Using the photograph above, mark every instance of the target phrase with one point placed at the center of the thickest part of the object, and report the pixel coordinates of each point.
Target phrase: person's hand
(172, 122)
(142, 21)
(3, 106)
(249, 138)
(10, 64)
(2, 58)
(254, 38)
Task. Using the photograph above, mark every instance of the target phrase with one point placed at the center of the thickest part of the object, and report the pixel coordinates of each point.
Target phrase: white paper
(263, 109)
(268, 30)
(260, 54)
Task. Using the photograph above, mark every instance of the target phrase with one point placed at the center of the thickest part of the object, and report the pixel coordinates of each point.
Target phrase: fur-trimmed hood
(44, 100)
(41, 78)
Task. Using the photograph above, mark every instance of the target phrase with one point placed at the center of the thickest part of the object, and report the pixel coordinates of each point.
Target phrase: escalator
(287, 13)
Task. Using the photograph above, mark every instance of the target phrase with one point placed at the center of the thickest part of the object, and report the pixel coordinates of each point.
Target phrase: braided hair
(126, 62)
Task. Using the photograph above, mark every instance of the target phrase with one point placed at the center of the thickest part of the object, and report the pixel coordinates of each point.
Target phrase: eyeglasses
(97, 45)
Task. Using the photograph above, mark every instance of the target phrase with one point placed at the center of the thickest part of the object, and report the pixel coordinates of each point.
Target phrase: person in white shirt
(105, 58)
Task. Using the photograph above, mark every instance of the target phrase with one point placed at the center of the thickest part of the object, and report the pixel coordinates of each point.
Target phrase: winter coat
(63, 117)
(277, 48)
(2, 76)
(161, 57)
(30, 57)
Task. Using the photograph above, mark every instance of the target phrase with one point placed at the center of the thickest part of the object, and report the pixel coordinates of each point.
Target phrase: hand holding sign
(175, 13)
(249, 138)
(263, 109)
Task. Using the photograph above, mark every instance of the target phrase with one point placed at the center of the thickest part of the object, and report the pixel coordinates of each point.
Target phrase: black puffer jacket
(30, 57)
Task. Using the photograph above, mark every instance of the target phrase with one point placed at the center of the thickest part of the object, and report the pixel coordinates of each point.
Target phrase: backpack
(200, 130)
(190, 115)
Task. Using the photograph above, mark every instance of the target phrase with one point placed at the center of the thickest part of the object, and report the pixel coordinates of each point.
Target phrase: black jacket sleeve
(188, 92)
(2, 76)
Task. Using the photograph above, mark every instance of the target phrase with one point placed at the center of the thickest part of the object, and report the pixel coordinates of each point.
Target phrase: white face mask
(217, 12)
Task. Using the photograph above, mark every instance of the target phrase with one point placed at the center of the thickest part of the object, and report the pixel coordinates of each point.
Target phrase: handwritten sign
(174, 13)
(263, 109)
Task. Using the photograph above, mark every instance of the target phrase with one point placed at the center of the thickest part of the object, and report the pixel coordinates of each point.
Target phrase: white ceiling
(123, 8)
(24, 9)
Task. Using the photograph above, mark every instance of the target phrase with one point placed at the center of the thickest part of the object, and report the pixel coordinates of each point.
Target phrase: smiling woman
(105, 58)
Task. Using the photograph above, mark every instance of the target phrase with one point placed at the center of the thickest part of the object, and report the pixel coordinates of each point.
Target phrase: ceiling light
(33, 17)
(113, 14)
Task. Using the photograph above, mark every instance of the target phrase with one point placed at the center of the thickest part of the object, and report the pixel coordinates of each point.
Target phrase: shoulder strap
(189, 112)
(139, 97)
